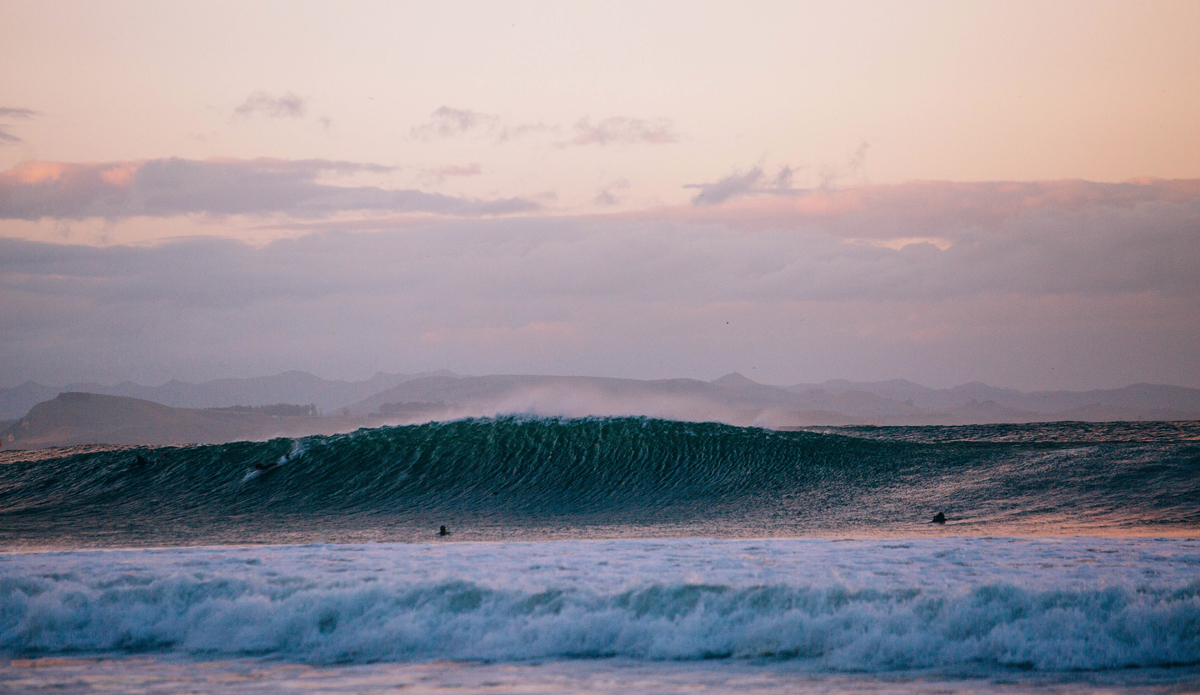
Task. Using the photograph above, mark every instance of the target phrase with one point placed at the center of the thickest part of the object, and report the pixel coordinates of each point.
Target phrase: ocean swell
(513, 473)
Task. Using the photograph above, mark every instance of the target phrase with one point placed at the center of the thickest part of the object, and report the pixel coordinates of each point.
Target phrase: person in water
(260, 466)
(443, 532)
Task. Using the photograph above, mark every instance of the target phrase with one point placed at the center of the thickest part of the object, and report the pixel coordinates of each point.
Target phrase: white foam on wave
(1045, 604)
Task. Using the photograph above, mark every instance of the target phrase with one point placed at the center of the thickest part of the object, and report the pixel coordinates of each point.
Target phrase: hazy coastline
(241, 409)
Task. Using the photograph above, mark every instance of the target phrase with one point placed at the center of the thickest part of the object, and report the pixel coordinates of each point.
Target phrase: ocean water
(609, 555)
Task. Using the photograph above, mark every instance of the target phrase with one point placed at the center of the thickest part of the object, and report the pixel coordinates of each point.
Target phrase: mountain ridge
(736, 399)
(406, 399)
(78, 418)
(292, 386)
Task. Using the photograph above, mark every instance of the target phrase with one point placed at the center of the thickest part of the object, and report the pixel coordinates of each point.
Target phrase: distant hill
(84, 418)
(732, 398)
(289, 387)
(89, 418)
(687, 399)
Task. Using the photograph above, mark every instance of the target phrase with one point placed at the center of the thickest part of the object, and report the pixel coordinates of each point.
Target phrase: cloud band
(168, 187)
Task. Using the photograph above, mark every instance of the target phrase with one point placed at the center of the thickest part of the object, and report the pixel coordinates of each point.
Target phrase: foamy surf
(951, 606)
(578, 609)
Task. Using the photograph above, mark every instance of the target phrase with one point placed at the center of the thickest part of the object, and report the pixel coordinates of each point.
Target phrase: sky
(1006, 192)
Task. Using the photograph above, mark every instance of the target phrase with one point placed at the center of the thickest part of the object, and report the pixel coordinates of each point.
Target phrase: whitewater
(610, 555)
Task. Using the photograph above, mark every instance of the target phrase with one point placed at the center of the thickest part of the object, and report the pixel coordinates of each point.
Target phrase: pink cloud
(174, 186)
(920, 208)
(287, 105)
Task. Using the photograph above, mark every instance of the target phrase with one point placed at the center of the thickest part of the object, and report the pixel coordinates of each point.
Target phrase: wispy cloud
(7, 138)
(286, 105)
(608, 194)
(448, 122)
(755, 183)
(622, 131)
(619, 130)
(738, 185)
(168, 187)
(830, 174)
(441, 173)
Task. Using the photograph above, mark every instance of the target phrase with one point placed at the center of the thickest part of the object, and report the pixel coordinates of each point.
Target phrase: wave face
(941, 604)
(605, 477)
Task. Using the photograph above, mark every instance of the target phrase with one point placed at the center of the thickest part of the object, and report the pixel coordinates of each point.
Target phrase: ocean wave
(513, 472)
(830, 628)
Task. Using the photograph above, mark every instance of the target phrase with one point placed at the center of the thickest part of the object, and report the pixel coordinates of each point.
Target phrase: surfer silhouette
(260, 466)
(938, 518)
(443, 532)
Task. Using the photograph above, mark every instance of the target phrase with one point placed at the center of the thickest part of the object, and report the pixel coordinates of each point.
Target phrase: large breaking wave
(517, 473)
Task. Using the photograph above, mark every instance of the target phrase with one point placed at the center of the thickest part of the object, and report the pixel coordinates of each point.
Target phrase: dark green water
(525, 478)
